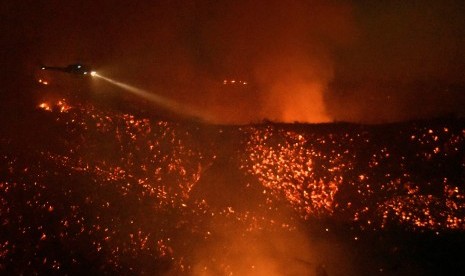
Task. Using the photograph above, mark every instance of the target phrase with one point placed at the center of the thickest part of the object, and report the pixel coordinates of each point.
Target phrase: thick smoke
(283, 50)
(383, 61)
(273, 253)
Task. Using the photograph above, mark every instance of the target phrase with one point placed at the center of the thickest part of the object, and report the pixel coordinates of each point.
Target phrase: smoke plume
(382, 61)
(185, 51)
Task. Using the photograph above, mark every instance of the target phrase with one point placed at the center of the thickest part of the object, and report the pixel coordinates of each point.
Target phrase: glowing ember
(129, 191)
(45, 106)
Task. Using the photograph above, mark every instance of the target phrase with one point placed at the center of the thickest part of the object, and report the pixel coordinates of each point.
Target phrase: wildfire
(284, 166)
(45, 106)
(129, 190)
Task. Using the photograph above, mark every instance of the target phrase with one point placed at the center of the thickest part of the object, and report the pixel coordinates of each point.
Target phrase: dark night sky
(312, 61)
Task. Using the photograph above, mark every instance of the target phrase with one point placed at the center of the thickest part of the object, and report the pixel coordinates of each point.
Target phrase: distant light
(79, 66)
(93, 73)
(85, 73)
(43, 82)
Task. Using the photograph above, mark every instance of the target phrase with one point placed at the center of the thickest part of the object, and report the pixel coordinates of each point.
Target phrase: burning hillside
(87, 189)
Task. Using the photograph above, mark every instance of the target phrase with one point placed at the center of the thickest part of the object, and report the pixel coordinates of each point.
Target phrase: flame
(45, 106)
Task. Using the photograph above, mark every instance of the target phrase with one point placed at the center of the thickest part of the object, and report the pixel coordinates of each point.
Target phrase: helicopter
(76, 69)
